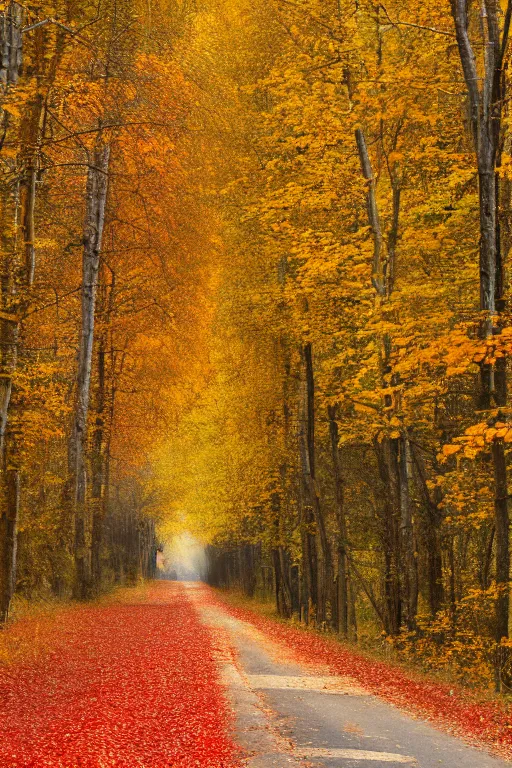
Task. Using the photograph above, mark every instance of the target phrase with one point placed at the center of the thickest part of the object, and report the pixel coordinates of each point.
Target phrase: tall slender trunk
(433, 518)
(98, 471)
(386, 453)
(282, 582)
(502, 558)
(96, 197)
(284, 557)
(104, 414)
(501, 519)
(9, 512)
(453, 577)
(326, 580)
(309, 573)
(8, 540)
(248, 569)
(343, 573)
(400, 577)
(410, 580)
(11, 55)
(309, 591)
(280, 562)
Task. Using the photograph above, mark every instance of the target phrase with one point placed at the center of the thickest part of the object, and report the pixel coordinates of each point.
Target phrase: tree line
(350, 453)
(100, 279)
(254, 285)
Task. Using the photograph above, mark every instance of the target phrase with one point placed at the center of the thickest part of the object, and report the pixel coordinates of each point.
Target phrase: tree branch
(373, 214)
(416, 26)
(467, 57)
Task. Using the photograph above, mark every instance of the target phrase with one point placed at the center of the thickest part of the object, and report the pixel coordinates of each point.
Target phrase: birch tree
(96, 200)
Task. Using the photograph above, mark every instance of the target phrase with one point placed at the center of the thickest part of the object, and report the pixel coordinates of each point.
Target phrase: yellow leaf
(448, 450)
(12, 109)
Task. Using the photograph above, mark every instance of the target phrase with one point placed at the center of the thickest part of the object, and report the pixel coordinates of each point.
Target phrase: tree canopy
(255, 287)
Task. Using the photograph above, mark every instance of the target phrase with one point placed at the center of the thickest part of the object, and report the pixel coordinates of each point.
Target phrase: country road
(288, 716)
(255, 383)
(165, 676)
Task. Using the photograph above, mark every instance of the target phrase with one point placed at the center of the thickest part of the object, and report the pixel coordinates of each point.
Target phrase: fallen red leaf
(118, 686)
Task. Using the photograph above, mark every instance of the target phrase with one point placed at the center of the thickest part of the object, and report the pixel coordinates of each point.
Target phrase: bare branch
(398, 23)
(44, 22)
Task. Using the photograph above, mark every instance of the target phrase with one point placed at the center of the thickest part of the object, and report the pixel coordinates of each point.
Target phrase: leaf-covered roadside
(119, 685)
(455, 709)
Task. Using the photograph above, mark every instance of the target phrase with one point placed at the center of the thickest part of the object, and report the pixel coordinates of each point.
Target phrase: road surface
(285, 715)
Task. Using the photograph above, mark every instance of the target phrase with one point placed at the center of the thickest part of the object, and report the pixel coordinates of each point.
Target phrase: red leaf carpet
(116, 686)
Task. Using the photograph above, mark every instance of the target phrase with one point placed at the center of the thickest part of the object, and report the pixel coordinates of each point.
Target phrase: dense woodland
(254, 287)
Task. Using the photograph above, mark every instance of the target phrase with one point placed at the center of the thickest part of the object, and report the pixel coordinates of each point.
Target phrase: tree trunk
(284, 560)
(11, 43)
(487, 96)
(397, 533)
(502, 556)
(352, 615)
(432, 523)
(96, 197)
(410, 580)
(487, 560)
(282, 590)
(8, 540)
(387, 458)
(309, 574)
(9, 512)
(326, 578)
(97, 469)
(343, 574)
(453, 578)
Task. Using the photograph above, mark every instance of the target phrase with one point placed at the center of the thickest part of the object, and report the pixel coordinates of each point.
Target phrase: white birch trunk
(96, 198)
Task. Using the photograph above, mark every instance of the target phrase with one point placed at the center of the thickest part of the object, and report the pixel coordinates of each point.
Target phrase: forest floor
(171, 675)
(127, 682)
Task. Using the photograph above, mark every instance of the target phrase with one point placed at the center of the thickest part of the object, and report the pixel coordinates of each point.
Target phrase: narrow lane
(287, 715)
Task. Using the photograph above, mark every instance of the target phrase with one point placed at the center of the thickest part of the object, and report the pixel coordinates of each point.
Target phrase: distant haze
(184, 558)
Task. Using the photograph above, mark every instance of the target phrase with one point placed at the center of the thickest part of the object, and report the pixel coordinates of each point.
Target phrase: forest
(254, 286)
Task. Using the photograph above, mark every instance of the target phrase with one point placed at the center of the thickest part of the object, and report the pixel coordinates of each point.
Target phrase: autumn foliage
(254, 286)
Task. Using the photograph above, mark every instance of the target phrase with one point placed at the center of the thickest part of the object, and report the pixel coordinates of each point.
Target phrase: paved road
(286, 716)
